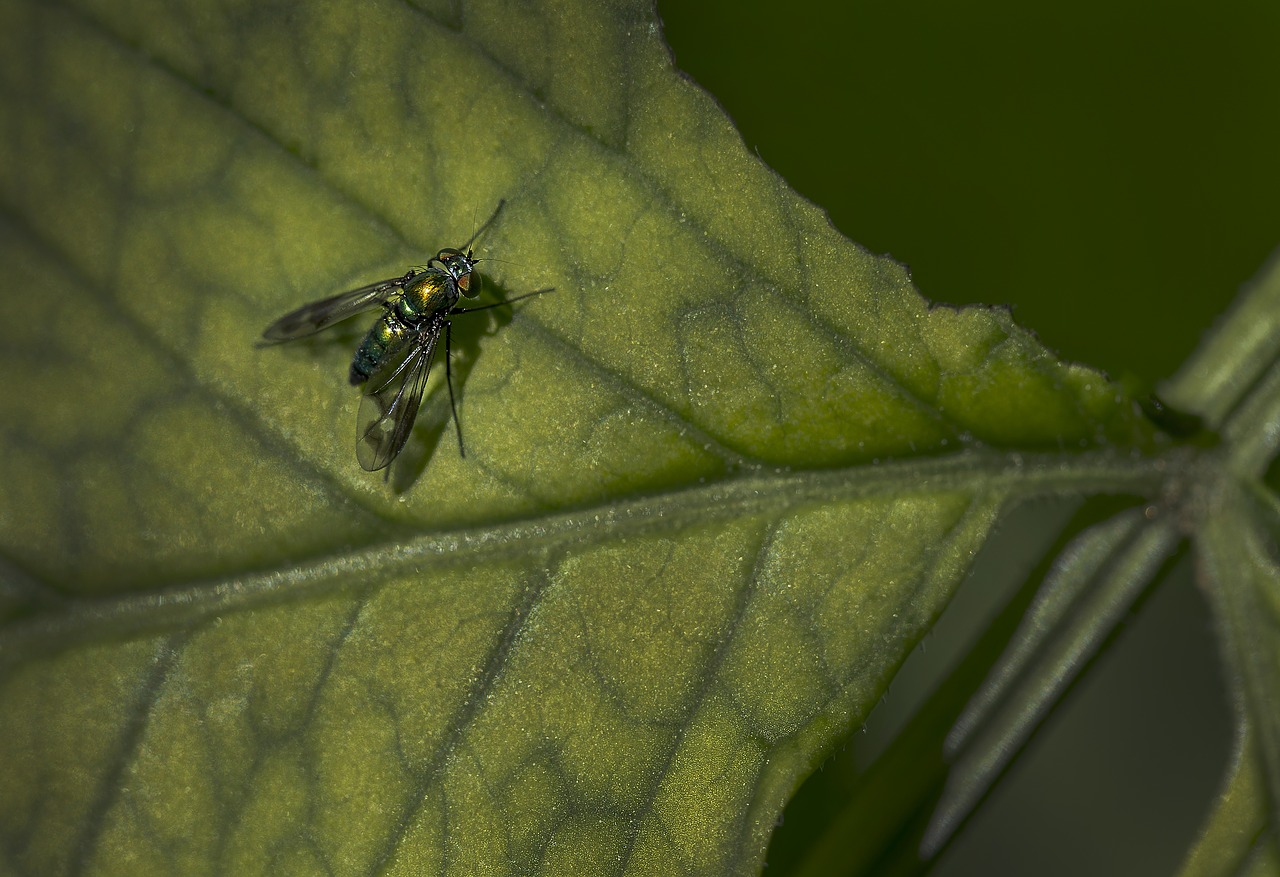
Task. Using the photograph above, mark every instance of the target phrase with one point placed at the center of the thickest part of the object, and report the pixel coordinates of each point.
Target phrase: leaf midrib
(1007, 476)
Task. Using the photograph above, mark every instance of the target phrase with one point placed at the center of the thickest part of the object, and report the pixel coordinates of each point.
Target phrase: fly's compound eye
(469, 284)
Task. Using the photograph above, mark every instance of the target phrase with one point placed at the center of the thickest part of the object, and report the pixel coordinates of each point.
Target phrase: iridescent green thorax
(431, 292)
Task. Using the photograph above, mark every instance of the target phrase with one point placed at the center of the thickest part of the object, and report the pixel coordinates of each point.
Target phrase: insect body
(393, 361)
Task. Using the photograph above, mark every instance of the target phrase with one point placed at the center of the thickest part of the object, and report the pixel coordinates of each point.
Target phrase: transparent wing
(311, 318)
(391, 398)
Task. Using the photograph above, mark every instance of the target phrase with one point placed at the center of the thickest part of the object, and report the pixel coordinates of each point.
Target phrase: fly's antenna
(466, 248)
(474, 229)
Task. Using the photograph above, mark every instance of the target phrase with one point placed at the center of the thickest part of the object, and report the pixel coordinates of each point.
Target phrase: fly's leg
(448, 379)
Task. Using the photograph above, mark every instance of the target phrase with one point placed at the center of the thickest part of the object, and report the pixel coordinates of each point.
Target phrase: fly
(393, 361)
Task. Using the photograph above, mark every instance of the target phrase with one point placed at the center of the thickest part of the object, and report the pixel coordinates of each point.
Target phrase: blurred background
(1110, 171)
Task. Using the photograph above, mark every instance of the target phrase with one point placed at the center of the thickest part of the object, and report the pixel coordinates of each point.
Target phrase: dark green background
(1110, 171)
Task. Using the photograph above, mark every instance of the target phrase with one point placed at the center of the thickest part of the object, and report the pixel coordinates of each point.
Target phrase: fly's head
(461, 267)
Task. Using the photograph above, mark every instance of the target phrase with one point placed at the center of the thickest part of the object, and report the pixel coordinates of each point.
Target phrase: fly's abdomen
(386, 338)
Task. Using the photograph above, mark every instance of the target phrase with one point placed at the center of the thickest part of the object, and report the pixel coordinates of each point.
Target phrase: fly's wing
(390, 401)
(311, 318)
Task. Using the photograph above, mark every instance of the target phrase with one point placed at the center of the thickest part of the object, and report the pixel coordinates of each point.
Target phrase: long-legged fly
(393, 361)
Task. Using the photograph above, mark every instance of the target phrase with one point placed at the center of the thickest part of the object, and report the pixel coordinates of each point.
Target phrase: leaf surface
(717, 485)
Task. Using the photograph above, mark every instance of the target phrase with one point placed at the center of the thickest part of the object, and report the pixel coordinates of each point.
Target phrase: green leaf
(1240, 568)
(1097, 579)
(1232, 382)
(1235, 841)
(717, 485)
